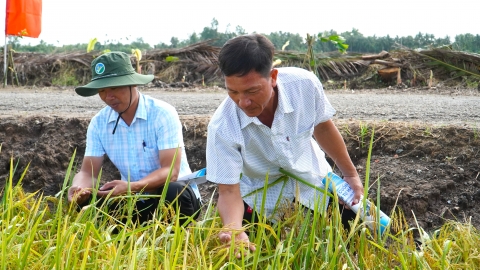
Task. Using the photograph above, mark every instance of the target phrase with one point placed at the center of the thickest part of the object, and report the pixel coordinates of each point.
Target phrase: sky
(78, 21)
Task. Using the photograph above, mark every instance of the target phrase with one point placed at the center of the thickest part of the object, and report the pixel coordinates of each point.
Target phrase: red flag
(23, 18)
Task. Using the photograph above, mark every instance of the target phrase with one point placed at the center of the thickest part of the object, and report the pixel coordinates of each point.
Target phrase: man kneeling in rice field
(140, 135)
(265, 124)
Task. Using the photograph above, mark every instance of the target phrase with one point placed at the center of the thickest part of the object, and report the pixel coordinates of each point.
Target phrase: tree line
(357, 42)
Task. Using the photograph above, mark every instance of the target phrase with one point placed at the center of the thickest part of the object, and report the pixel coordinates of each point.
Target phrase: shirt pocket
(151, 159)
(300, 146)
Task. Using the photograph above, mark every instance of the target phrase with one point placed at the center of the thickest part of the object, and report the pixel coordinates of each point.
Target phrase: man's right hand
(241, 241)
(78, 194)
(84, 180)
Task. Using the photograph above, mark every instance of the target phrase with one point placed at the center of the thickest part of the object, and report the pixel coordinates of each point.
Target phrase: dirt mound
(47, 144)
(430, 171)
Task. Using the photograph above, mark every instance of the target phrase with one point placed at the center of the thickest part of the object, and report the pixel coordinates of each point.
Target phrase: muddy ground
(426, 151)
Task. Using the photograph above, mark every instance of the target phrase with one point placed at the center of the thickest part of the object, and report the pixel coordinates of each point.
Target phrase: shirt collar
(284, 106)
(140, 113)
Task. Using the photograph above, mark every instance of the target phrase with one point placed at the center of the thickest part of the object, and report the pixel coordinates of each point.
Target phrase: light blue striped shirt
(134, 149)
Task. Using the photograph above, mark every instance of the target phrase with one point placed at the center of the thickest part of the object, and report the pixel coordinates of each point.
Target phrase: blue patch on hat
(99, 68)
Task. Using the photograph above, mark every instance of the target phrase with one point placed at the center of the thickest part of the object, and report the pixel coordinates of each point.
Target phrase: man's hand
(78, 194)
(84, 180)
(331, 142)
(241, 241)
(231, 208)
(114, 188)
(356, 184)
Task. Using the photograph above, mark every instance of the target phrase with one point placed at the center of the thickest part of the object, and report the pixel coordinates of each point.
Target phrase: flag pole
(5, 63)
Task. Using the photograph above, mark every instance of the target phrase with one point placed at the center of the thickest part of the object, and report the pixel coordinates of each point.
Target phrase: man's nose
(109, 94)
(244, 102)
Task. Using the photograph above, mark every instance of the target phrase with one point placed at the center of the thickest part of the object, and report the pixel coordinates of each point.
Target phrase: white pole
(5, 63)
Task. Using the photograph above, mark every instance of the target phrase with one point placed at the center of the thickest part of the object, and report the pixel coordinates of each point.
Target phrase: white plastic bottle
(346, 194)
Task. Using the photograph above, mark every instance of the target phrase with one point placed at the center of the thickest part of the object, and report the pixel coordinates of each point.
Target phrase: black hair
(242, 54)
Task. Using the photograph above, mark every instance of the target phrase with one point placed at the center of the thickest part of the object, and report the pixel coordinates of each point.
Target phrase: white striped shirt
(240, 149)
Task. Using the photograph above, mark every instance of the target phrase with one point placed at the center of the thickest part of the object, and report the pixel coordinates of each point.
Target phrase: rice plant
(363, 133)
(44, 232)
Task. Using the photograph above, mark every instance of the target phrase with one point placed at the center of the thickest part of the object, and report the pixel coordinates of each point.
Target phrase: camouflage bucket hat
(112, 69)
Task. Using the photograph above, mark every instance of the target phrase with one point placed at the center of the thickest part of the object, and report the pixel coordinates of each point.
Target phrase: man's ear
(273, 76)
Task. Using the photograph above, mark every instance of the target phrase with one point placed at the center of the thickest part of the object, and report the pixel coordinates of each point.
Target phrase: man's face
(118, 98)
(252, 92)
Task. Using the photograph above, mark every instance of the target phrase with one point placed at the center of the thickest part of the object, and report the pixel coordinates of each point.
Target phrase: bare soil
(426, 150)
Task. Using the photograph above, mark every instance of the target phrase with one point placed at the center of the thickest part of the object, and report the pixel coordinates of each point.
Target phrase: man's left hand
(356, 184)
(114, 188)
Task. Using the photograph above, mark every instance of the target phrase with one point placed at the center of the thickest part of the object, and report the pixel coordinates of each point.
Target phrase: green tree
(193, 38)
(210, 32)
(240, 30)
(174, 42)
(296, 42)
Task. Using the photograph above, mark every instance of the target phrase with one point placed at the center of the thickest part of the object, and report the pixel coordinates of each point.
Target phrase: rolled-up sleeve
(169, 133)
(224, 158)
(324, 111)
(94, 146)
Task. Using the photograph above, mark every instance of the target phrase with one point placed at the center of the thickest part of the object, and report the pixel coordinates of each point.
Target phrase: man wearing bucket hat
(142, 136)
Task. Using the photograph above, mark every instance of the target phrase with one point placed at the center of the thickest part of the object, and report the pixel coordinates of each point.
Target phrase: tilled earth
(426, 150)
